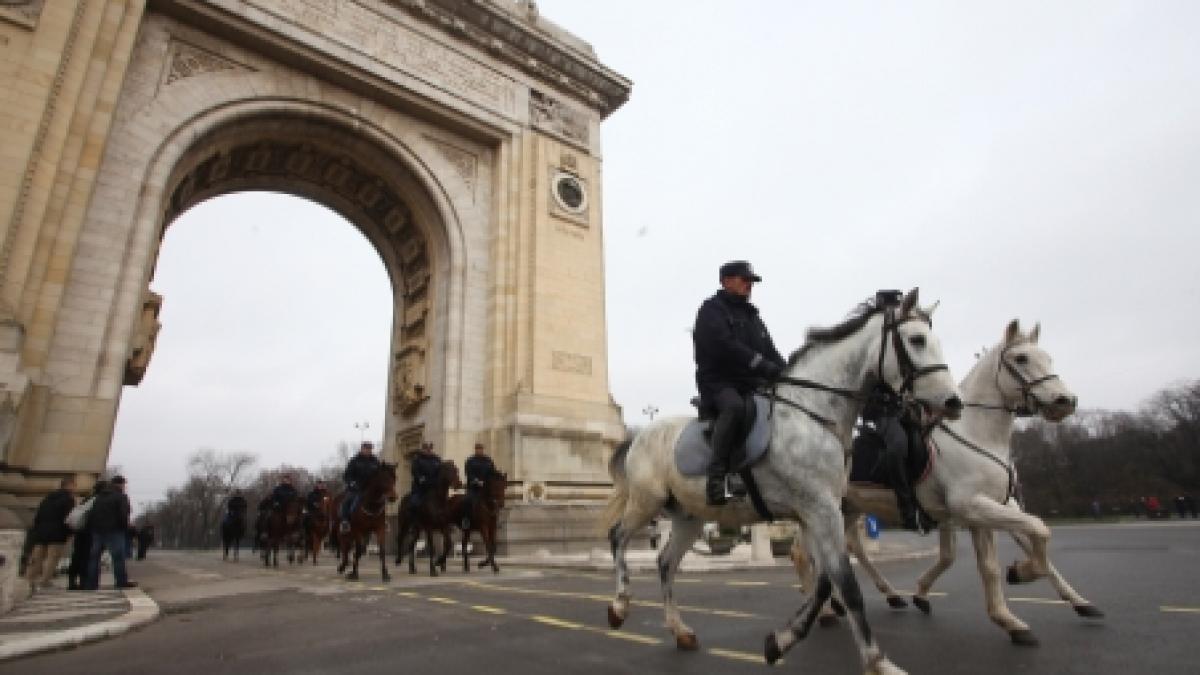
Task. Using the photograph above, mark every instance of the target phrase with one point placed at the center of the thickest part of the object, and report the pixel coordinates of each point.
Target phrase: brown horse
(368, 517)
(316, 528)
(431, 513)
(479, 514)
(282, 527)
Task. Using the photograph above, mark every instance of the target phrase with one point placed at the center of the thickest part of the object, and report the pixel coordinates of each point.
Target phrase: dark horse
(316, 528)
(282, 527)
(480, 514)
(369, 517)
(431, 513)
(233, 528)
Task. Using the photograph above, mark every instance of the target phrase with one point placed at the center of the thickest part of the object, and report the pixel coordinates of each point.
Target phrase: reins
(1008, 493)
(1029, 402)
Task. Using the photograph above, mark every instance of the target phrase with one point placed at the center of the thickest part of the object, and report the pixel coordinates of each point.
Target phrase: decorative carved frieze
(517, 40)
(22, 12)
(187, 60)
(270, 162)
(367, 28)
(409, 440)
(144, 338)
(571, 363)
(558, 118)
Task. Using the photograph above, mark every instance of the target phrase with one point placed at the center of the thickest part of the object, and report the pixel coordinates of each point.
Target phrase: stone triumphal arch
(460, 136)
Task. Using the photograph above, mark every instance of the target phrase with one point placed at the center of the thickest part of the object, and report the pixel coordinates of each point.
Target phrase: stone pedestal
(13, 589)
(558, 529)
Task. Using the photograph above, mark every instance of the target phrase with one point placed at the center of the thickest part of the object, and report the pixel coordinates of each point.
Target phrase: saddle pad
(692, 452)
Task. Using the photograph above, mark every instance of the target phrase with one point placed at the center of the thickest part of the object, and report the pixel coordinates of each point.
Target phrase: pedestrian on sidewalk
(145, 537)
(50, 533)
(109, 521)
(81, 550)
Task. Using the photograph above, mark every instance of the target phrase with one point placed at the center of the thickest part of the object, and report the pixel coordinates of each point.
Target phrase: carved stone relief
(409, 440)
(144, 338)
(281, 163)
(22, 12)
(463, 161)
(558, 118)
(571, 363)
(187, 60)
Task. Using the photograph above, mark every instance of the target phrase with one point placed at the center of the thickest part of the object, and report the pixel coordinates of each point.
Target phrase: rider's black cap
(888, 298)
(739, 268)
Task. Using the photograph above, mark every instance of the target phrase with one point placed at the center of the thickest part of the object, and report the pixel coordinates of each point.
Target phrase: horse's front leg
(806, 571)
(993, 591)
(825, 537)
(854, 542)
(358, 550)
(1081, 605)
(381, 537)
(684, 532)
(947, 548)
(489, 541)
(447, 547)
(982, 511)
(432, 557)
(466, 538)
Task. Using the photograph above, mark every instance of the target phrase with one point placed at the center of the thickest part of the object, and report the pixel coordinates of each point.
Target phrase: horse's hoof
(1089, 611)
(614, 620)
(771, 651)
(495, 570)
(837, 606)
(387, 578)
(687, 642)
(1023, 638)
(827, 620)
(352, 577)
(922, 604)
(1014, 577)
(896, 602)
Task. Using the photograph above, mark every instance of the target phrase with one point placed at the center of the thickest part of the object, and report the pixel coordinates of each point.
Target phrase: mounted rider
(312, 500)
(734, 356)
(425, 464)
(283, 493)
(235, 507)
(479, 468)
(359, 470)
(894, 426)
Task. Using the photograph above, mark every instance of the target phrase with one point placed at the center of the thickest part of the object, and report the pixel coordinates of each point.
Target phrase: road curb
(142, 610)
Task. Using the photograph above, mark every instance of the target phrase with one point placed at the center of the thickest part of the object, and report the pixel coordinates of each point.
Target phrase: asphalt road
(238, 618)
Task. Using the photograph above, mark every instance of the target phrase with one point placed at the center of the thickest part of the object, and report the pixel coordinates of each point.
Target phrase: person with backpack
(108, 522)
(50, 533)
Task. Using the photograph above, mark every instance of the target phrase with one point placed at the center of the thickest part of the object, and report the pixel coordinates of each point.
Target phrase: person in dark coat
(478, 467)
(284, 492)
(81, 549)
(359, 470)
(425, 464)
(734, 356)
(50, 533)
(145, 538)
(108, 521)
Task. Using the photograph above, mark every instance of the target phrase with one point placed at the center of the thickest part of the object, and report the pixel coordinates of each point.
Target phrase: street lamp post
(650, 411)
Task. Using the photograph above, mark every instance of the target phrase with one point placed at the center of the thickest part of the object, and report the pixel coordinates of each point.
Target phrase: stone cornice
(518, 41)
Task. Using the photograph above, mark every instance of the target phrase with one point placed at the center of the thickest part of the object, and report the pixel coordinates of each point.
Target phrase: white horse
(972, 483)
(802, 477)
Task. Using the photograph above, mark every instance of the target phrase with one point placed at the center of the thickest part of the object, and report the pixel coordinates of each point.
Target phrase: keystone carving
(145, 336)
(185, 60)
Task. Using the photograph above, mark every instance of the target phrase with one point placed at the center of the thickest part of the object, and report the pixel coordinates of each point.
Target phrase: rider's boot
(722, 439)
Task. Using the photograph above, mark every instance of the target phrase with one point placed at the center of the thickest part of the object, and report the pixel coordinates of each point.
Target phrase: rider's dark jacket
(730, 342)
(359, 470)
(314, 497)
(283, 493)
(479, 468)
(236, 504)
(425, 466)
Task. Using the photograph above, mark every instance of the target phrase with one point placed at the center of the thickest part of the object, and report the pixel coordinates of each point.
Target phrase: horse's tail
(620, 494)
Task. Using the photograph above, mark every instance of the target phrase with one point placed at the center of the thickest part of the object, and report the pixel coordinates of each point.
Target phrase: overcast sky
(1017, 159)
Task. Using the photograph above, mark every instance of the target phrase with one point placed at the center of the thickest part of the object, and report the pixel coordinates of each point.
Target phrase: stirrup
(344, 527)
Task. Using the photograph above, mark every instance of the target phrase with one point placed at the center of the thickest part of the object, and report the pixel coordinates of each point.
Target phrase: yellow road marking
(604, 598)
(407, 594)
(379, 588)
(688, 581)
(633, 637)
(1185, 610)
(444, 601)
(488, 609)
(552, 621)
(1039, 601)
(747, 583)
(740, 656)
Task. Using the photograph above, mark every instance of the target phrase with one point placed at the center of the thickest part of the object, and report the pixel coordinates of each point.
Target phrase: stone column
(760, 543)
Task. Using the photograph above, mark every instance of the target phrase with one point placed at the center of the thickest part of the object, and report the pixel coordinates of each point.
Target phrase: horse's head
(385, 481)
(496, 486)
(911, 361)
(448, 475)
(1024, 377)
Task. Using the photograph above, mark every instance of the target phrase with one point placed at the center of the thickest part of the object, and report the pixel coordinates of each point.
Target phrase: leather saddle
(693, 451)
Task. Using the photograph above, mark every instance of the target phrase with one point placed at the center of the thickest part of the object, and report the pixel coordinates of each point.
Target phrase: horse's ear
(1035, 333)
(932, 308)
(909, 301)
(1012, 332)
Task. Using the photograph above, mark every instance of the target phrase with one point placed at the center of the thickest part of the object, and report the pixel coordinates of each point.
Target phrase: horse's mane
(859, 316)
(822, 336)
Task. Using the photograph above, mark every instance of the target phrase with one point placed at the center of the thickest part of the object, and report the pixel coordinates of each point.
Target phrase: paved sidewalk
(58, 619)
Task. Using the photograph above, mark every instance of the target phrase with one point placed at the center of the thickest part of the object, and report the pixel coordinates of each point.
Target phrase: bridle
(908, 368)
(1030, 403)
